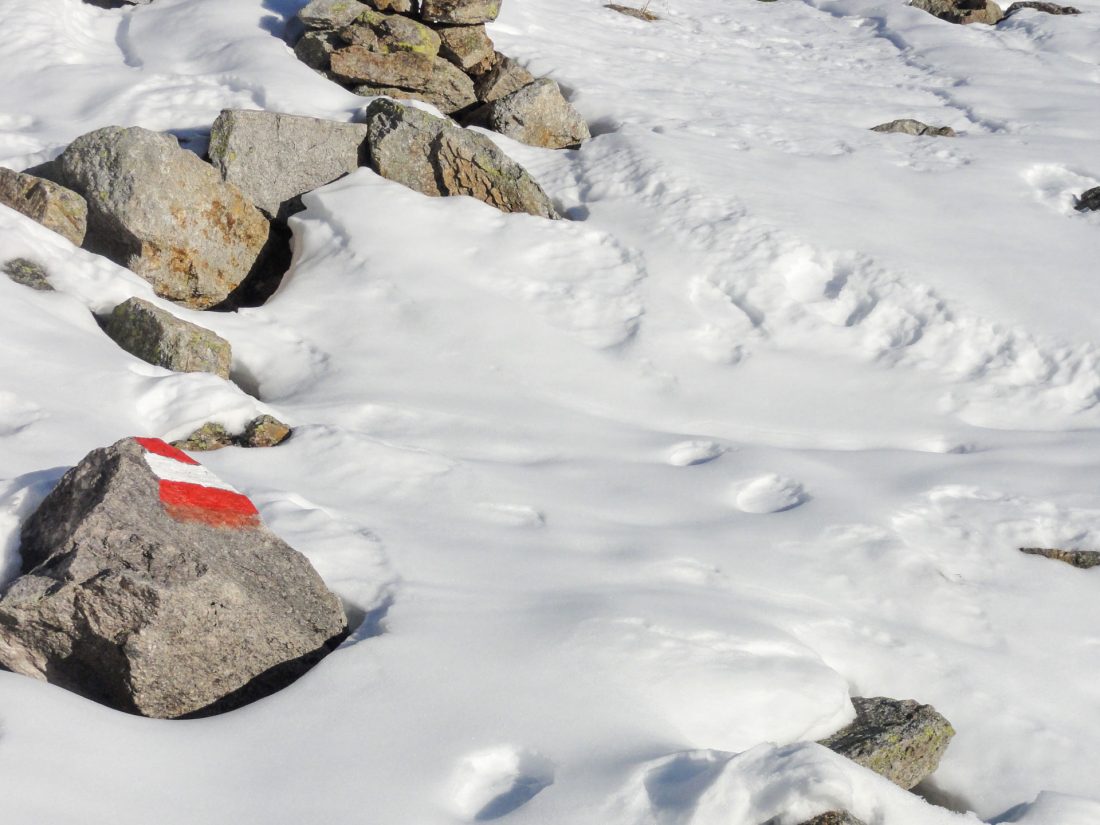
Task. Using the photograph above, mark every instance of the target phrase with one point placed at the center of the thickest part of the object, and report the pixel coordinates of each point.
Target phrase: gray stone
(1089, 200)
(1045, 8)
(405, 70)
(264, 431)
(330, 14)
(53, 206)
(900, 740)
(908, 126)
(315, 49)
(160, 211)
(161, 338)
(273, 158)
(468, 47)
(961, 11)
(437, 158)
(389, 33)
(834, 818)
(642, 13)
(505, 77)
(448, 89)
(210, 436)
(537, 115)
(158, 601)
(459, 12)
(27, 273)
(1083, 559)
(395, 6)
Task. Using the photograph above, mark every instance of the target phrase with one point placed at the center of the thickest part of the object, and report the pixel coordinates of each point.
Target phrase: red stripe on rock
(208, 505)
(158, 447)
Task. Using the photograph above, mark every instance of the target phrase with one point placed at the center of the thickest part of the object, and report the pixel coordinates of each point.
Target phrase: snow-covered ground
(631, 503)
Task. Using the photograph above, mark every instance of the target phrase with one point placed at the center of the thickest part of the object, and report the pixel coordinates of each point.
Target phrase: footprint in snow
(769, 494)
(493, 782)
(690, 453)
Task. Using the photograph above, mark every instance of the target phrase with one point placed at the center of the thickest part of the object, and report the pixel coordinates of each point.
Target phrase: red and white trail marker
(190, 492)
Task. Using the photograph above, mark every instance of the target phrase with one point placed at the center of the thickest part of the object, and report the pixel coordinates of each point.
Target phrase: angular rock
(160, 211)
(459, 12)
(436, 158)
(900, 740)
(448, 89)
(1089, 200)
(152, 587)
(161, 338)
(273, 158)
(264, 431)
(1083, 559)
(1037, 5)
(908, 126)
(537, 115)
(961, 11)
(405, 70)
(395, 6)
(468, 47)
(389, 33)
(53, 206)
(315, 49)
(27, 273)
(210, 436)
(330, 14)
(630, 11)
(505, 77)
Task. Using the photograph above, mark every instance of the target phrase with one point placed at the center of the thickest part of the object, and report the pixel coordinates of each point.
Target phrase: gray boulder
(161, 338)
(506, 76)
(151, 586)
(1037, 5)
(1084, 559)
(961, 11)
(908, 126)
(27, 273)
(437, 158)
(537, 115)
(1089, 200)
(53, 206)
(900, 740)
(273, 158)
(449, 89)
(160, 211)
(459, 12)
(468, 47)
(388, 33)
(330, 14)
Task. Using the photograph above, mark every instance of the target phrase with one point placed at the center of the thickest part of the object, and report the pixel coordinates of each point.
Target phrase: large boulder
(388, 33)
(330, 14)
(151, 586)
(53, 206)
(962, 11)
(161, 338)
(537, 114)
(908, 126)
(264, 155)
(160, 211)
(506, 76)
(459, 12)
(449, 89)
(437, 158)
(900, 740)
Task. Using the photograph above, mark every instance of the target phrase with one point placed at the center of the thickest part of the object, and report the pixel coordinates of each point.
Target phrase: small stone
(538, 115)
(900, 740)
(405, 70)
(449, 89)
(1037, 5)
(834, 818)
(330, 14)
(161, 338)
(1089, 200)
(27, 273)
(265, 431)
(210, 436)
(908, 126)
(630, 11)
(459, 12)
(1083, 559)
(962, 11)
(389, 33)
(315, 49)
(505, 77)
(466, 46)
(55, 207)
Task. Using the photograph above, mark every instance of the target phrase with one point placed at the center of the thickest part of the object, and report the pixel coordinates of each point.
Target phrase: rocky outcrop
(160, 211)
(1037, 5)
(1089, 200)
(53, 206)
(961, 11)
(900, 740)
(151, 586)
(161, 338)
(437, 158)
(536, 114)
(908, 126)
(261, 154)
(1083, 559)
(27, 273)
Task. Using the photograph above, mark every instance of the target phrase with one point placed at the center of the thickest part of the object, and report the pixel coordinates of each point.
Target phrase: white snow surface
(630, 504)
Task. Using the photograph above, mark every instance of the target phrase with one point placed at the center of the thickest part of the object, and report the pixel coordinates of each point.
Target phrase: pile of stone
(262, 431)
(436, 51)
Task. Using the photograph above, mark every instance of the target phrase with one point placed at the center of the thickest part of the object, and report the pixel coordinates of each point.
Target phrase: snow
(628, 505)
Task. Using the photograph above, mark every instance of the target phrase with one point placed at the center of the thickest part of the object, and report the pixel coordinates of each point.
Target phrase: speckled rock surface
(506, 76)
(27, 273)
(962, 11)
(210, 436)
(1083, 559)
(264, 431)
(161, 338)
(460, 12)
(54, 206)
(908, 126)
(537, 115)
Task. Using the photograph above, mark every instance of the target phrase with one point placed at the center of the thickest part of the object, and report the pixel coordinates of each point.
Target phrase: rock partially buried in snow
(210, 436)
(1084, 559)
(630, 11)
(151, 586)
(262, 431)
(900, 740)
(53, 206)
(436, 158)
(538, 114)
(459, 12)
(27, 273)
(265, 431)
(1037, 5)
(834, 818)
(961, 11)
(160, 211)
(908, 126)
(770, 494)
(1089, 200)
(261, 153)
(159, 337)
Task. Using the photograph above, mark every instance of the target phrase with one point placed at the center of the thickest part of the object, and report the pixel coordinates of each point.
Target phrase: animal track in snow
(490, 783)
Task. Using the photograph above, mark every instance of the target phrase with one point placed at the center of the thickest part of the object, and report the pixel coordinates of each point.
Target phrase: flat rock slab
(900, 740)
(1083, 559)
(459, 12)
(330, 14)
(273, 158)
(160, 338)
(389, 33)
(52, 205)
(151, 586)
(449, 89)
(908, 126)
(360, 64)
(163, 213)
(538, 115)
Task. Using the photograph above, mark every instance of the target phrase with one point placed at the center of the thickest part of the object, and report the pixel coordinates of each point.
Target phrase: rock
(27, 273)
(1089, 200)
(468, 47)
(834, 818)
(209, 436)
(405, 70)
(908, 126)
(395, 6)
(264, 431)
(1083, 559)
(151, 586)
(160, 211)
(389, 33)
(537, 115)
(900, 740)
(630, 11)
(161, 338)
(330, 14)
(436, 158)
(449, 89)
(961, 11)
(53, 206)
(1045, 8)
(505, 77)
(315, 49)
(459, 12)
(261, 153)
